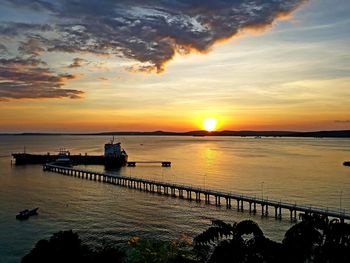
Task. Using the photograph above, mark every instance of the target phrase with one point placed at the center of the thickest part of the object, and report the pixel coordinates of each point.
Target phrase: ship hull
(26, 158)
(112, 162)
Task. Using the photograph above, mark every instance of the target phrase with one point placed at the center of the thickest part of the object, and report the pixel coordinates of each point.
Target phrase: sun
(209, 124)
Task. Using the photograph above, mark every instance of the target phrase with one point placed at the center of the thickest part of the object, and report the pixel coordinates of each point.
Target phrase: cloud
(3, 49)
(342, 121)
(23, 78)
(147, 31)
(12, 29)
(32, 46)
(102, 78)
(77, 63)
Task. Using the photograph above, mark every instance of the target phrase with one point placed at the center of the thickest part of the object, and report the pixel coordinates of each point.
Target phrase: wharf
(27, 158)
(163, 163)
(177, 190)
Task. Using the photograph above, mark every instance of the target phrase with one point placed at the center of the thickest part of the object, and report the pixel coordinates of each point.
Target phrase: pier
(163, 163)
(243, 202)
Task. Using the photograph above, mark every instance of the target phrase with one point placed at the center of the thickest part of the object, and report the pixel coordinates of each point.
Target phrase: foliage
(66, 246)
(154, 251)
(313, 240)
(242, 242)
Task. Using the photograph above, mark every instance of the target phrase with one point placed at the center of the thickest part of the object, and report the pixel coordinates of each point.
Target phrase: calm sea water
(301, 170)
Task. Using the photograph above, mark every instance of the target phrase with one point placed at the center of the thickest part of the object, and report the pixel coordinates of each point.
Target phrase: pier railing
(174, 189)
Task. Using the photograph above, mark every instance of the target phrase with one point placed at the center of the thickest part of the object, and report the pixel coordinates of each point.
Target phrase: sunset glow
(109, 75)
(209, 124)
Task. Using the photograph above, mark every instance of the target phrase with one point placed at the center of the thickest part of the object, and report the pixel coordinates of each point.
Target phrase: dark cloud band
(29, 78)
(148, 32)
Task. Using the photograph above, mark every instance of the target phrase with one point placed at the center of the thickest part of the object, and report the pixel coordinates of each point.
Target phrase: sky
(146, 65)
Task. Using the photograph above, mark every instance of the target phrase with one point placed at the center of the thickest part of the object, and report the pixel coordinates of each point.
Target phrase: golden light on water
(209, 124)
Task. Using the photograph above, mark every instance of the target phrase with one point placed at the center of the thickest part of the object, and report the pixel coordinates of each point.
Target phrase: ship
(115, 155)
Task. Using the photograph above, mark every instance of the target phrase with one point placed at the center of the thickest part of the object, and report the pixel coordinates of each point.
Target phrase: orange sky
(293, 75)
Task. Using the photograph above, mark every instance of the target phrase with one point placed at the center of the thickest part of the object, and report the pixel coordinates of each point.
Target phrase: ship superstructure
(115, 155)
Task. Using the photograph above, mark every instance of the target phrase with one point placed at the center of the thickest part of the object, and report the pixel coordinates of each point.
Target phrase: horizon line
(165, 131)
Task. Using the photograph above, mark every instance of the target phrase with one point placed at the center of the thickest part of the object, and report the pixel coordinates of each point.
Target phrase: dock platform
(163, 163)
(27, 158)
(196, 193)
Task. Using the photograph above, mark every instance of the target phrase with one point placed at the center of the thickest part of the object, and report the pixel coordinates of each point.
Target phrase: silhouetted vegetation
(314, 239)
(66, 246)
(156, 251)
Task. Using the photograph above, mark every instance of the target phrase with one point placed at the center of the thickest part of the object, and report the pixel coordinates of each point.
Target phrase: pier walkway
(195, 193)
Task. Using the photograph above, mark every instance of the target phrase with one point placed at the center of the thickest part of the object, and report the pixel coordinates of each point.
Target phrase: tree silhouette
(242, 242)
(336, 243)
(66, 247)
(314, 239)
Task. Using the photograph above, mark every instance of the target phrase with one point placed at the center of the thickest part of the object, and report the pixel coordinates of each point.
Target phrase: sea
(305, 171)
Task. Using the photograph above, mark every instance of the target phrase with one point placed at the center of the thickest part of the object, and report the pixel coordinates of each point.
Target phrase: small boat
(346, 163)
(63, 159)
(25, 214)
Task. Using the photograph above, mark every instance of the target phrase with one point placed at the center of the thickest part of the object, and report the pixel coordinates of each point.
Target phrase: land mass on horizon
(242, 133)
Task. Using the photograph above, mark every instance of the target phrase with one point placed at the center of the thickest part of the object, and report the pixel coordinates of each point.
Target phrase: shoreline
(256, 134)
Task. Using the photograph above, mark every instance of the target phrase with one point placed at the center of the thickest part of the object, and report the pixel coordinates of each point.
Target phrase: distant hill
(328, 134)
(335, 134)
